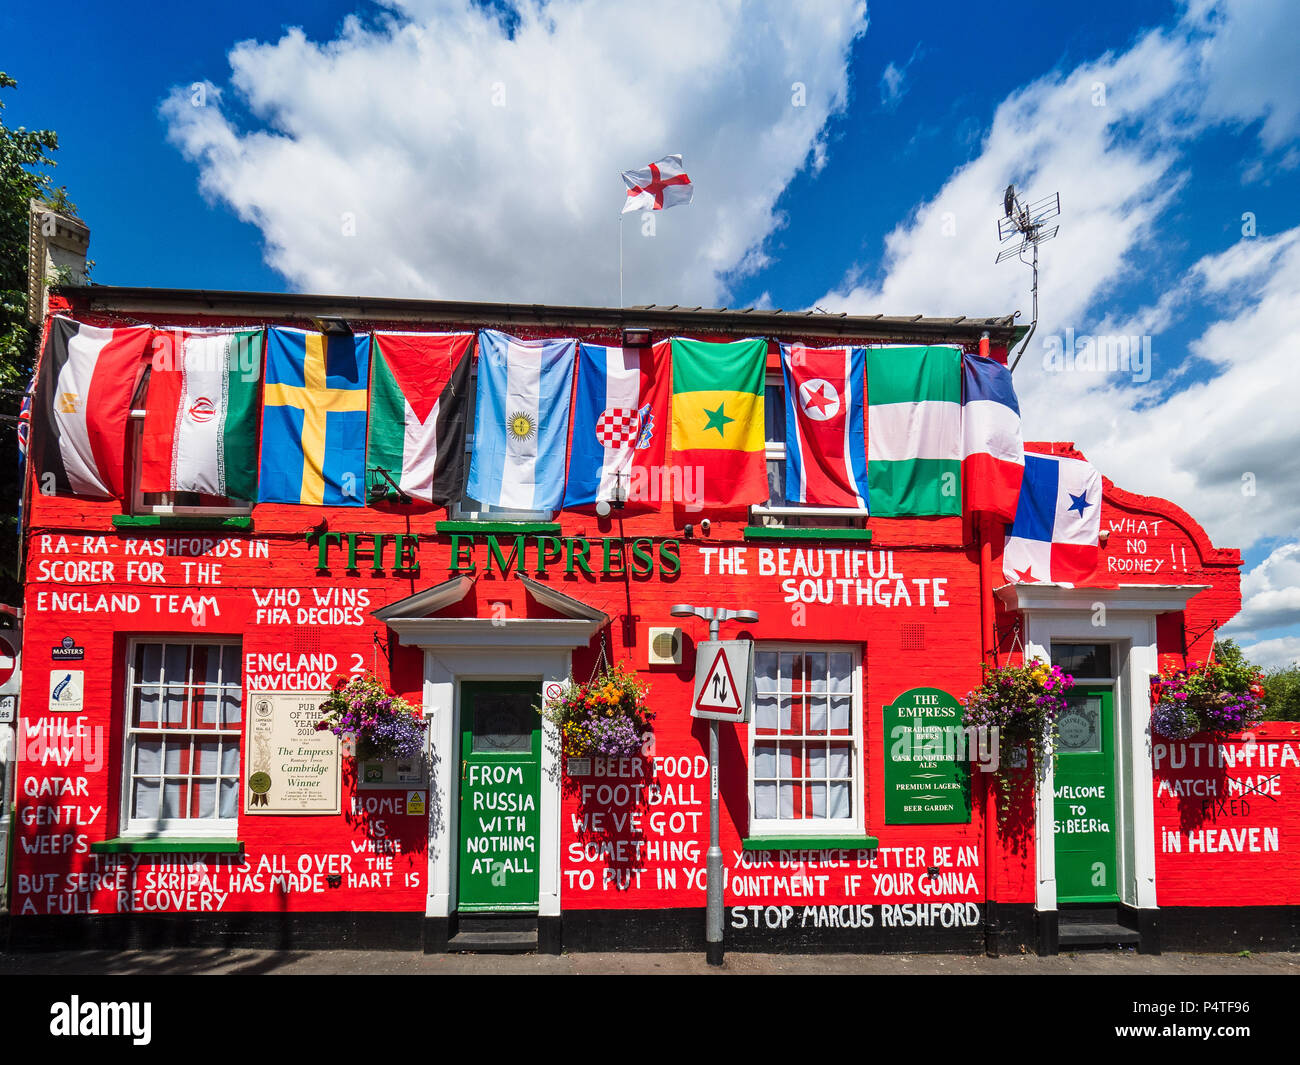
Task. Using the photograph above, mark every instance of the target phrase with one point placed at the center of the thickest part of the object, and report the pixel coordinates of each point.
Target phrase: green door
(500, 787)
(1085, 798)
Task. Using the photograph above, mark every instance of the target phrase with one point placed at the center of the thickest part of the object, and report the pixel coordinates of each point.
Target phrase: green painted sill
(810, 843)
(179, 521)
(171, 845)
(485, 527)
(803, 532)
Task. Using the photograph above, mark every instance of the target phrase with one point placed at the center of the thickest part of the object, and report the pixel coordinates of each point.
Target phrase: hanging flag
(521, 422)
(659, 185)
(200, 425)
(419, 402)
(914, 431)
(825, 446)
(314, 418)
(719, 438)
(993, 451)
(620, 424)
(85, 384)
(1058, 522)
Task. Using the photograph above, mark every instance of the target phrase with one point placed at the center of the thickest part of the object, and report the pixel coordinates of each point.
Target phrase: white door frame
(1125, 618)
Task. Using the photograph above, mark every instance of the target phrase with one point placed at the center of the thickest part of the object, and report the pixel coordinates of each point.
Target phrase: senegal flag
(718, 419)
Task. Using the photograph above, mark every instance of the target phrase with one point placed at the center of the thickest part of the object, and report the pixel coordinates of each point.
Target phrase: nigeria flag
(914, 431)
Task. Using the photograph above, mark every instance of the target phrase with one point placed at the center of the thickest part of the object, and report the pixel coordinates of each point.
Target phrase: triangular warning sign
(719, 689)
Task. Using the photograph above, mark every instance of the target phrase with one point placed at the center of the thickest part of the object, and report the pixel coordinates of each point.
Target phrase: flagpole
(620, 259)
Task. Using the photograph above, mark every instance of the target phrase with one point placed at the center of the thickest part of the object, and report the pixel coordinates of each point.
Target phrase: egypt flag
(201, 414)
(719, 438)
(825, 446)
(992, 448)
(82, 409)
(620, 424)
(1058, 523)
(419, 401)
(914, 431)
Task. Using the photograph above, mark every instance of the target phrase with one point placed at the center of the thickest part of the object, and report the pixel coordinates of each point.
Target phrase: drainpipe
(986, 527)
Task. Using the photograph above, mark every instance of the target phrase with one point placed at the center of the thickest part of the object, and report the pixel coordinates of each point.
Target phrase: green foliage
(1282, 694)
(25, 161)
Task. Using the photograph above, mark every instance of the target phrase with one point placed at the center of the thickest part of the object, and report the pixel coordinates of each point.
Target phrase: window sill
(549, 528)
(168, 845)
(803, 532)
(809, 843)
(180, 521)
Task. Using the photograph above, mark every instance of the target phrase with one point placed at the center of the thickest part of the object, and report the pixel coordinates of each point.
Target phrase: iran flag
(82, 408)
(419, 402)
(201, 415)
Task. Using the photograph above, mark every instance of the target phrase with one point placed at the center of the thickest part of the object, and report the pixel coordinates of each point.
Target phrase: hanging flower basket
(379, 724)
(1222, 696)
(607, 716)
(1023, 704)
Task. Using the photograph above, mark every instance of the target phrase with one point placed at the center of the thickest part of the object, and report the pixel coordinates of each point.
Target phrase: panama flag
(993, 450)
(825, 445)
(620, 424)
(419, 402)
(1058, 522)
(201, 415)
(521, 422)
(87, 379)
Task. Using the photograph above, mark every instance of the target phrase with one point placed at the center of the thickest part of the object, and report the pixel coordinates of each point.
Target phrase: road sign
(8, 659)
(723, 669)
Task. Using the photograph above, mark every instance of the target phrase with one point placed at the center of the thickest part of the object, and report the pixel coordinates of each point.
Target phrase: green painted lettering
(578, 551)
(405, 550)
(503, 561)
(643, 563)
(462, 554)
(549, 549)
(670, 563)
(323, 541)
(613, 549)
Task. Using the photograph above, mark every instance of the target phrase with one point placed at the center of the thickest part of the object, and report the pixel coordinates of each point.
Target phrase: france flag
(521, 423)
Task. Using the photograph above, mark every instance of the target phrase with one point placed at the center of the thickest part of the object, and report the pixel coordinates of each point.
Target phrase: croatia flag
(993, 450)
(825, 445)
(1058, 523)
(521, 422)
(620, 424)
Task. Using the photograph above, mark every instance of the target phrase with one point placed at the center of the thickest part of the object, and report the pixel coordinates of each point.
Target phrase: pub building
(176, 647)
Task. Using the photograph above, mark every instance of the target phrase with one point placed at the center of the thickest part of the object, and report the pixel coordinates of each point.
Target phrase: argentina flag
(521, 422)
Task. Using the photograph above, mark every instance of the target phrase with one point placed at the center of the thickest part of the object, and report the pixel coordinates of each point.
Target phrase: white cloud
(474, 162)
(1270, 593)
(893, 81)
(1278, 653)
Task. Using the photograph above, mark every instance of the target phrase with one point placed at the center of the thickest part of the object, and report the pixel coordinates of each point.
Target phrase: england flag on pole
(521, 424)
(659, 185)
(620, 424)
(1054, 538)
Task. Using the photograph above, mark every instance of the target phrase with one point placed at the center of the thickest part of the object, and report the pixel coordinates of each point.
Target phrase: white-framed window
(184, 723)
(805, 741)
(778, 511)
(183, 503)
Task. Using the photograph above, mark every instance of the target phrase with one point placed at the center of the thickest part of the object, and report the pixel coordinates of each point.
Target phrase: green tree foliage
(1282, 694)
(24, 175)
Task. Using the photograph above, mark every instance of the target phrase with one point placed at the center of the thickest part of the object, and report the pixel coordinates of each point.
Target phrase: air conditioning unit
(665, 646)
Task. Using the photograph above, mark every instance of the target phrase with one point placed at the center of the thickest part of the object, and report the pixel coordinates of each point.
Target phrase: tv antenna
(1026, 225)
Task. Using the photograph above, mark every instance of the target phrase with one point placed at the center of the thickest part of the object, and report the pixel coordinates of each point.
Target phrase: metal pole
(713, 861)
(620, 259)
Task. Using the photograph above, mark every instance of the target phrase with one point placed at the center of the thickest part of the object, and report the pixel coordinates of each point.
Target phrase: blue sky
(430, 149)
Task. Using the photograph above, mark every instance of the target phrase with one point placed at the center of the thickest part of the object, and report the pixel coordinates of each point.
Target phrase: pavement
(216, 962)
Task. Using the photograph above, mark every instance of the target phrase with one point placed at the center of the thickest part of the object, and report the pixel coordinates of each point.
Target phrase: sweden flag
(314, 419)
